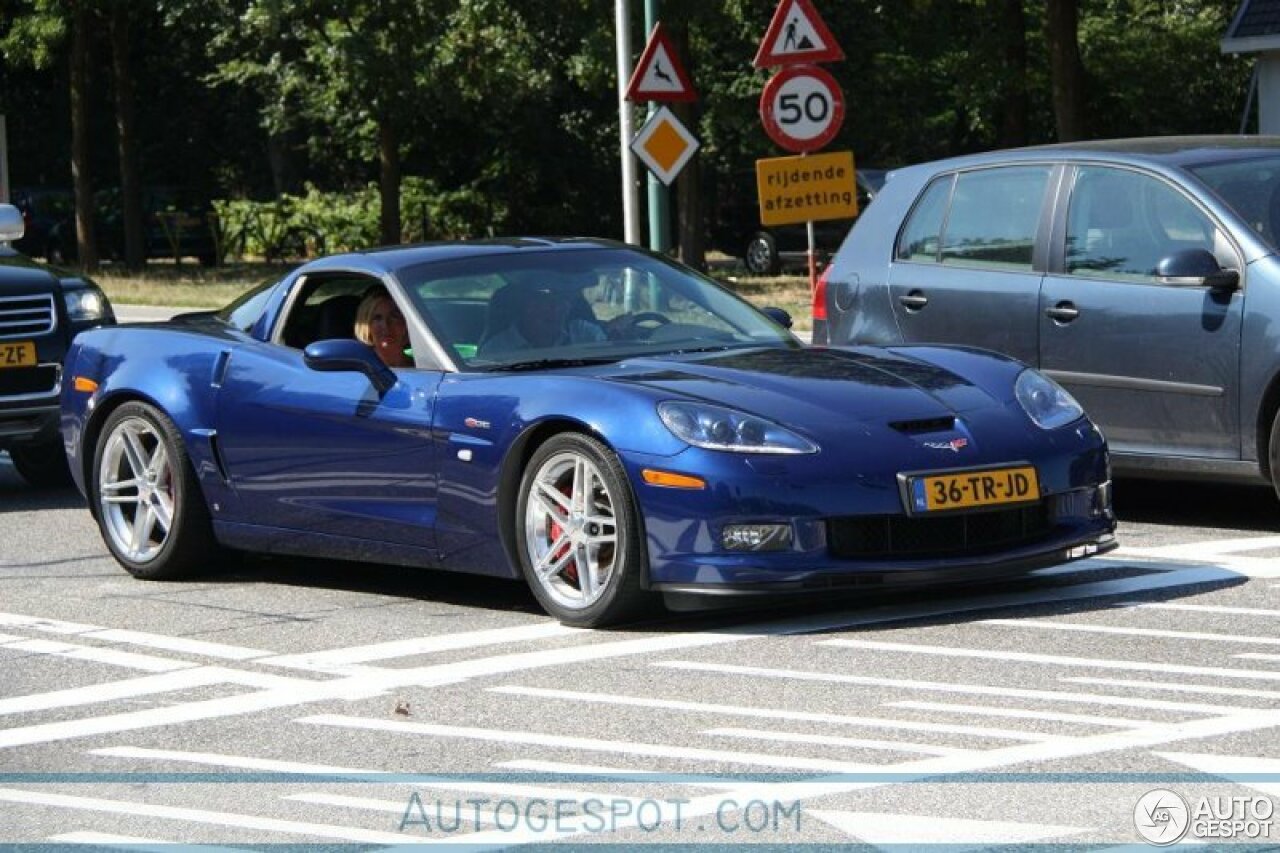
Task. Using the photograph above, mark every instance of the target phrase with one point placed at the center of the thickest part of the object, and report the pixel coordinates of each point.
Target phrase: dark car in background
(767, 249)
(41, 310)
(1141, 274)
(43, 210)
(176, 224)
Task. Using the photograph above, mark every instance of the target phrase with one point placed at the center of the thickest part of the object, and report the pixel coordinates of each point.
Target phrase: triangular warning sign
(797, 34)
(659, 76)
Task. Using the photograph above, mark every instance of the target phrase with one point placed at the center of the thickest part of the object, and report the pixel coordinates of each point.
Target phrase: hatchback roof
(1168, 150)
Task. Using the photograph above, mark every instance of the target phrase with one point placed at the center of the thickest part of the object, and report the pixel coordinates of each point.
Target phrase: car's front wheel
(42, 465)
(578, 533)
(150, 509)
(762, 255)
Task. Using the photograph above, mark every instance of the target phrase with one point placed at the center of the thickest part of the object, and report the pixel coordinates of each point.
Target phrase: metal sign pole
(4, 163)
(659, 197)
(630, 193)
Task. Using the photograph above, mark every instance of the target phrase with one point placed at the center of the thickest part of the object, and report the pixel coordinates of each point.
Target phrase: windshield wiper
(550, 363)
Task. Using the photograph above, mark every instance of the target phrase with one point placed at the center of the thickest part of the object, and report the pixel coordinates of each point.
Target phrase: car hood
(815, 388)
(19, 275)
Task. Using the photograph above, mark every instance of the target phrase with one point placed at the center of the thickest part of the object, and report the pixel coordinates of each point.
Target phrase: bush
(319, 222)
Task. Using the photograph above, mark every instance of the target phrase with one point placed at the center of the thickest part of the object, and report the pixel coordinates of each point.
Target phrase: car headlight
(85, 304)
(1045, 401)
(717, 428)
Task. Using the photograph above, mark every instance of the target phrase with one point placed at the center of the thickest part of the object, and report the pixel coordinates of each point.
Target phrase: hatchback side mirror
(11, 225)
(1196, 268)
(779, 316)
(342, 355)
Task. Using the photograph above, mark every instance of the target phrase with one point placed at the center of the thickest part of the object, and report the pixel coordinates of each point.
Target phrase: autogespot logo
(1161, 817)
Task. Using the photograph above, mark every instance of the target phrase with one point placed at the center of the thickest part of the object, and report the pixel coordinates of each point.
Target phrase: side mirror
(11, 225)
(346, 355)
(777, 315)
(1196, 268)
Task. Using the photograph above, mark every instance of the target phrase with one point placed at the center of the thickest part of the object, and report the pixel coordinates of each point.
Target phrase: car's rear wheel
(1273, 453)
(150, 509)
(762, 254)
(42, 465)
(578, 533)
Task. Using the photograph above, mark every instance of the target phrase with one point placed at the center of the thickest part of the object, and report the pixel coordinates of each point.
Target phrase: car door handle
(914, 301)
(1063, 312)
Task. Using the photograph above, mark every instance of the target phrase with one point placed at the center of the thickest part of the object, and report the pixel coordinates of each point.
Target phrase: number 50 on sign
(802, 108)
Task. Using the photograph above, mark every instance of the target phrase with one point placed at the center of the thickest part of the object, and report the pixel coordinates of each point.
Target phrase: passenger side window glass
(993, 218)
(1120, 224)
(325, 309)
(919, 241)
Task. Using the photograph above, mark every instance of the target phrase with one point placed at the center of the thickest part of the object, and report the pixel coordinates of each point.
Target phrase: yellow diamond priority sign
(664, 145)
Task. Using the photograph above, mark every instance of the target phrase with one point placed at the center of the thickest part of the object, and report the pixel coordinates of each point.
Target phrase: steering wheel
(635, 326)
(649, 317)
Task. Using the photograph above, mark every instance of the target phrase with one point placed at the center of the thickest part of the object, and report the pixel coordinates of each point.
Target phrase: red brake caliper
(571, 569)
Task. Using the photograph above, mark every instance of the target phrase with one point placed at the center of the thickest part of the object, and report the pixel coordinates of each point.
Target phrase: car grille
(899, 536)
(23, 316)
(19, 381)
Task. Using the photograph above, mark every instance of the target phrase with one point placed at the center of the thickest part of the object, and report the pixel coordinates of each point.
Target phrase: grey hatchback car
(1141, 274)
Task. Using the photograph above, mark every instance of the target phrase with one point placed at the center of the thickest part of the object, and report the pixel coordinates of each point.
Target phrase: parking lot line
(1086, 627)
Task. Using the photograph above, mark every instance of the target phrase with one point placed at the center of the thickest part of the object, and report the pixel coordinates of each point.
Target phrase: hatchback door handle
(1063, 312)
(914, 301)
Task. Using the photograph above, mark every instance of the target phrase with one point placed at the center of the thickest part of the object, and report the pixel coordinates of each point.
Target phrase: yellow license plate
(17, 354)
(968, 489)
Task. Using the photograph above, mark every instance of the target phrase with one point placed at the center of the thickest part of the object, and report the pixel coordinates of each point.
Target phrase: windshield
(558, 308)
(1251, 188)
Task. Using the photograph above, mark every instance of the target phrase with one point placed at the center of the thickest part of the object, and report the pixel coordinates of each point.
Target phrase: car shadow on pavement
(1194, 504)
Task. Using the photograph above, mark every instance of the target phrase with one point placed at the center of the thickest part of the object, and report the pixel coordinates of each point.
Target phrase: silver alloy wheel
(760, 256)
(135, 489)
(570, 530)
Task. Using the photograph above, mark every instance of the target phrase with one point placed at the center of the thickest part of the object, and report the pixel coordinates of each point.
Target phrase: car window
(1121, 224)
(324, 309)
(248, 307)
(1251, 188)
(919, 240)
(993, 217)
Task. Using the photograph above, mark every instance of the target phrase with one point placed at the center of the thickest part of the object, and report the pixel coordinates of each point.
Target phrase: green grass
(192, 286)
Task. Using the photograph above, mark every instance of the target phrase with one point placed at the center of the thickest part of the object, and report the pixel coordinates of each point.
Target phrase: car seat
(338, 317)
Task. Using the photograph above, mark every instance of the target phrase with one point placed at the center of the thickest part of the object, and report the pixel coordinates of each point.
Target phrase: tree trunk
(1062, 22)
(389, 181)
(1014, 107)
(127, 138)
(86, 239)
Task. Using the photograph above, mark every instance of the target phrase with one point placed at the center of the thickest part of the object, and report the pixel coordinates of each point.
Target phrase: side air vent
(925, 425)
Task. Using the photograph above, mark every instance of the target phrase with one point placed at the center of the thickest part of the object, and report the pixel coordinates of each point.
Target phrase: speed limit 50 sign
(802, 108)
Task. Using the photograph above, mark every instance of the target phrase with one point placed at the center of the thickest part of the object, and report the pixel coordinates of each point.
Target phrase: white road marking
(887, 829)
(1022, 714)
(213, 759)
(622, 774)
(1200, 608)
(129, 660)
(429, 645)
(1053, 660)
(204, 816)
(182, 679)
(1256, 656)
(946, 687)
(771, 713)
(834, 740)
(131, 842)
(1232, 765)
(137, 638)
(1119, 630)
(1204, 553)
(1202, 689)
(647, 750)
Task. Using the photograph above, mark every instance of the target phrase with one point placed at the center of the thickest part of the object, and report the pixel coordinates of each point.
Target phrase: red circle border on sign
(774, 129)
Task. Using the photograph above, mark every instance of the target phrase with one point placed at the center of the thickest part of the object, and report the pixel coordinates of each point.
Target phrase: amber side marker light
(672, 481)
(86, 385)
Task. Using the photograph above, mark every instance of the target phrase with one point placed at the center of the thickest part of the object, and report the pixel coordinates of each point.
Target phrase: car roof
(1169, 151)
(390, 258)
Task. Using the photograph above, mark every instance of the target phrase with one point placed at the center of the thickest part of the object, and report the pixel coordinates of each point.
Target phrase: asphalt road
(294, 701)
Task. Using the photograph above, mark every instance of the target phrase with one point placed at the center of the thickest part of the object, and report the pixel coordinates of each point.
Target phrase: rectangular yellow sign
(809, 188)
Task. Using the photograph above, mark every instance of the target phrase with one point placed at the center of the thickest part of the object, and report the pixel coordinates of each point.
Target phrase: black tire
(548, 532)
(761, 256)
(42, 465)
(140, 435)
(1273, 453)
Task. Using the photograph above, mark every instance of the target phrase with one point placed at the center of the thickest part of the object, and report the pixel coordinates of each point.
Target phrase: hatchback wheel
(150, 509)
(762, 254)
(578, 534)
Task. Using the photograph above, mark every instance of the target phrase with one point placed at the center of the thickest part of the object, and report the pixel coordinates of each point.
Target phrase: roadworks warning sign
(810, 188)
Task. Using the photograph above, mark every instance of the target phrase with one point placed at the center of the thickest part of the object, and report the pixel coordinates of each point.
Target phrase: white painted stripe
(10, 638)
(219, 819)
(648, 750)
(430, 645)
(129, 660)
(1222, 546)
(183, 679)
(137, 638)
(213, 759)
(769, 713)
(1023, 714)
(131, 842)
(623, 774)
(1201, 608)
(1202, 689)
(1124, 631)
(947, 687)
(1256, 656)
(1053, 660)
(834, 740)
(1253, 567)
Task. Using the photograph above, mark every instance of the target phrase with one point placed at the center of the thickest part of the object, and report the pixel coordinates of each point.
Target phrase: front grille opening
(26, 315)
(16, 381)
(900, 536)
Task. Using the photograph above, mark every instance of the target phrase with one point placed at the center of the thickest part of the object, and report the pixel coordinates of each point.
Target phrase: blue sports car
(603, 422)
